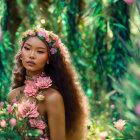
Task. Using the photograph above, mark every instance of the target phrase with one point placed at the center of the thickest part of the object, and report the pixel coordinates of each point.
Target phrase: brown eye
(40, 52)
(26, 48)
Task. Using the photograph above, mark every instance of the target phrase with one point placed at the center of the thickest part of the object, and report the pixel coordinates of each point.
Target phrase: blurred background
(103, 37)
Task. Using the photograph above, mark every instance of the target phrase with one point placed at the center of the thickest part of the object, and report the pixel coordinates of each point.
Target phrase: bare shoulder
(13, 93)
(53, 99)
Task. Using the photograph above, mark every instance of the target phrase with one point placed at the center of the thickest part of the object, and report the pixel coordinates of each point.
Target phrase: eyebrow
(37, 47)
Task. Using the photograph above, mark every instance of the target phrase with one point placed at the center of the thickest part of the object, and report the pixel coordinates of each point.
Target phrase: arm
(54, 107)
(10, 96)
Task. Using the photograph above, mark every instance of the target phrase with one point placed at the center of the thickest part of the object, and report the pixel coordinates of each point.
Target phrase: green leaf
(120, 26)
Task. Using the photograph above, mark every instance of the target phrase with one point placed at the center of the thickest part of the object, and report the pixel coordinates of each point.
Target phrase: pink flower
(37, 123)
(28, 109)
(112, 106)
(129, 1)
(13, 122)
(31, 89)
(1, 104)
(99, 102)
(120, 124)
(2, 123)
(48, 39)
(137, 109)
(43, 82)
(103, 135)
(58, 41)
(61, 46)
(21, 43)
(53, 50)
(10, 108)
(55, 37)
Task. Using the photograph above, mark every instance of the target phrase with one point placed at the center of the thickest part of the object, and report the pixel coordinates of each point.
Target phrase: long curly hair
(65, 77)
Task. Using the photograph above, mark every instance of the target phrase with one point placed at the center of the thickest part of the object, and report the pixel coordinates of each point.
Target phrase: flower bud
(3, 123)
(13, 122)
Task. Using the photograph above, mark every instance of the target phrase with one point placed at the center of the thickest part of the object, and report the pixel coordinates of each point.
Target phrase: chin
(30, 68)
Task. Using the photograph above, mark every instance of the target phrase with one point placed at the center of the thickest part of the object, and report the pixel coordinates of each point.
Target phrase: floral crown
(51, 39)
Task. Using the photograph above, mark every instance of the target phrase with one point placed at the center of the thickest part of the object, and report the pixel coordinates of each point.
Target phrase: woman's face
(34, 55)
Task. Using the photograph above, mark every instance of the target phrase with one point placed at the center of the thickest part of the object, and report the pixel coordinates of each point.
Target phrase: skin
(52, 106)
(34, 50)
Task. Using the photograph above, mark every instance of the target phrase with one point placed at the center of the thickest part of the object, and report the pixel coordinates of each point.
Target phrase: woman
(62, 103)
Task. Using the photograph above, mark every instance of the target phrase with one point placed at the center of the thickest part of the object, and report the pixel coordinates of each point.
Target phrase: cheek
(23, 54)
(42, 59)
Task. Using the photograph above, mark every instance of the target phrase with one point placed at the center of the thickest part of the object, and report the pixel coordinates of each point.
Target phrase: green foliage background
(102, 37)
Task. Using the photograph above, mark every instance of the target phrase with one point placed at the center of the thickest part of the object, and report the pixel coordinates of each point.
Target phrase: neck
(32, 73)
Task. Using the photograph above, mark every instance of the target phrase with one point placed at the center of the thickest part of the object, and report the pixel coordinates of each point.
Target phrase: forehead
(35, 41)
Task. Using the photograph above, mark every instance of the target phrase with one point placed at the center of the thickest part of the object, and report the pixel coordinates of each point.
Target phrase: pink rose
(37, 123)
(31, 89)
(48, 39)
(28, 109)
(120, 124)
(13, 122)
(58, 41)
(10, 108)
(3, 123)
(43, 82)
(55, 37)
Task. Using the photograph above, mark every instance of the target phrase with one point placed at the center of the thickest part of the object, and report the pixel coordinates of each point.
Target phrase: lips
(31, 63)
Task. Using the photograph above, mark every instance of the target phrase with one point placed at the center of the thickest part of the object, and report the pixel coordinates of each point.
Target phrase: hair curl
(65, 77)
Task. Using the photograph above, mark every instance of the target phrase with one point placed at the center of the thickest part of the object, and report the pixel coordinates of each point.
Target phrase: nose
(32, 54)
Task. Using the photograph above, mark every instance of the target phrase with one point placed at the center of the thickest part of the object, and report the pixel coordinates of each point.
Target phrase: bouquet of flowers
(21, 121)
